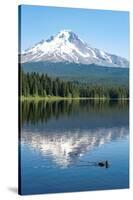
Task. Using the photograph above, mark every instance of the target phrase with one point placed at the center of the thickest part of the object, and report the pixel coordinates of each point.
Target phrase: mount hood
(66, 46)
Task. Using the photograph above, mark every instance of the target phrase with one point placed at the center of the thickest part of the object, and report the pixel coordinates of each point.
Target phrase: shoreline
(55, 98)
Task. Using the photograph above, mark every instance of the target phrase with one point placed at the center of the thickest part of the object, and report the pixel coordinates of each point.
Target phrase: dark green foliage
(34, 84)
(91, 74)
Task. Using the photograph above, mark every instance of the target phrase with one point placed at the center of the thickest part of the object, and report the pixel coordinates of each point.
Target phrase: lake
(63, 141)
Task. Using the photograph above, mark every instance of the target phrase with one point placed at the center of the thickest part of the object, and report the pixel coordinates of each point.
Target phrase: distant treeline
(34, 84)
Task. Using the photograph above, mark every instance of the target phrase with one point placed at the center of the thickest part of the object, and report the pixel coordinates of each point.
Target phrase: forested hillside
(91, 74)
(35, 84)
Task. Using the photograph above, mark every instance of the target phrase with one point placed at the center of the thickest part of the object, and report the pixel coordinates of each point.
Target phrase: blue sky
(107, 30)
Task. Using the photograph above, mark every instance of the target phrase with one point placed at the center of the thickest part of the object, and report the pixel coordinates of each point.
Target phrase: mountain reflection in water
(66, 130)
(66, 147)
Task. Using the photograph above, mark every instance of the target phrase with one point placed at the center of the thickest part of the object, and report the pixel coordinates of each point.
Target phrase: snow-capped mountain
(66, 46)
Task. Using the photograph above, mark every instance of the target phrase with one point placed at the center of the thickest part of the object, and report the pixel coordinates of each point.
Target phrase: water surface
(62, 142)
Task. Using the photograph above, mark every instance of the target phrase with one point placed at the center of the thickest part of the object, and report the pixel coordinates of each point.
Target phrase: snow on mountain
(66, 46)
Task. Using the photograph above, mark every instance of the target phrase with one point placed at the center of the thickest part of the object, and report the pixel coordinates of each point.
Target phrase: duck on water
(103, 164)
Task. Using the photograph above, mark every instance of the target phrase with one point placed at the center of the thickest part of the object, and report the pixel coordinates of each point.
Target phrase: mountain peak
(66, 46)
(66, 34)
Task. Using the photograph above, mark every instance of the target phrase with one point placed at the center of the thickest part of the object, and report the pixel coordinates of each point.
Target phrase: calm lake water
(62, 142)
